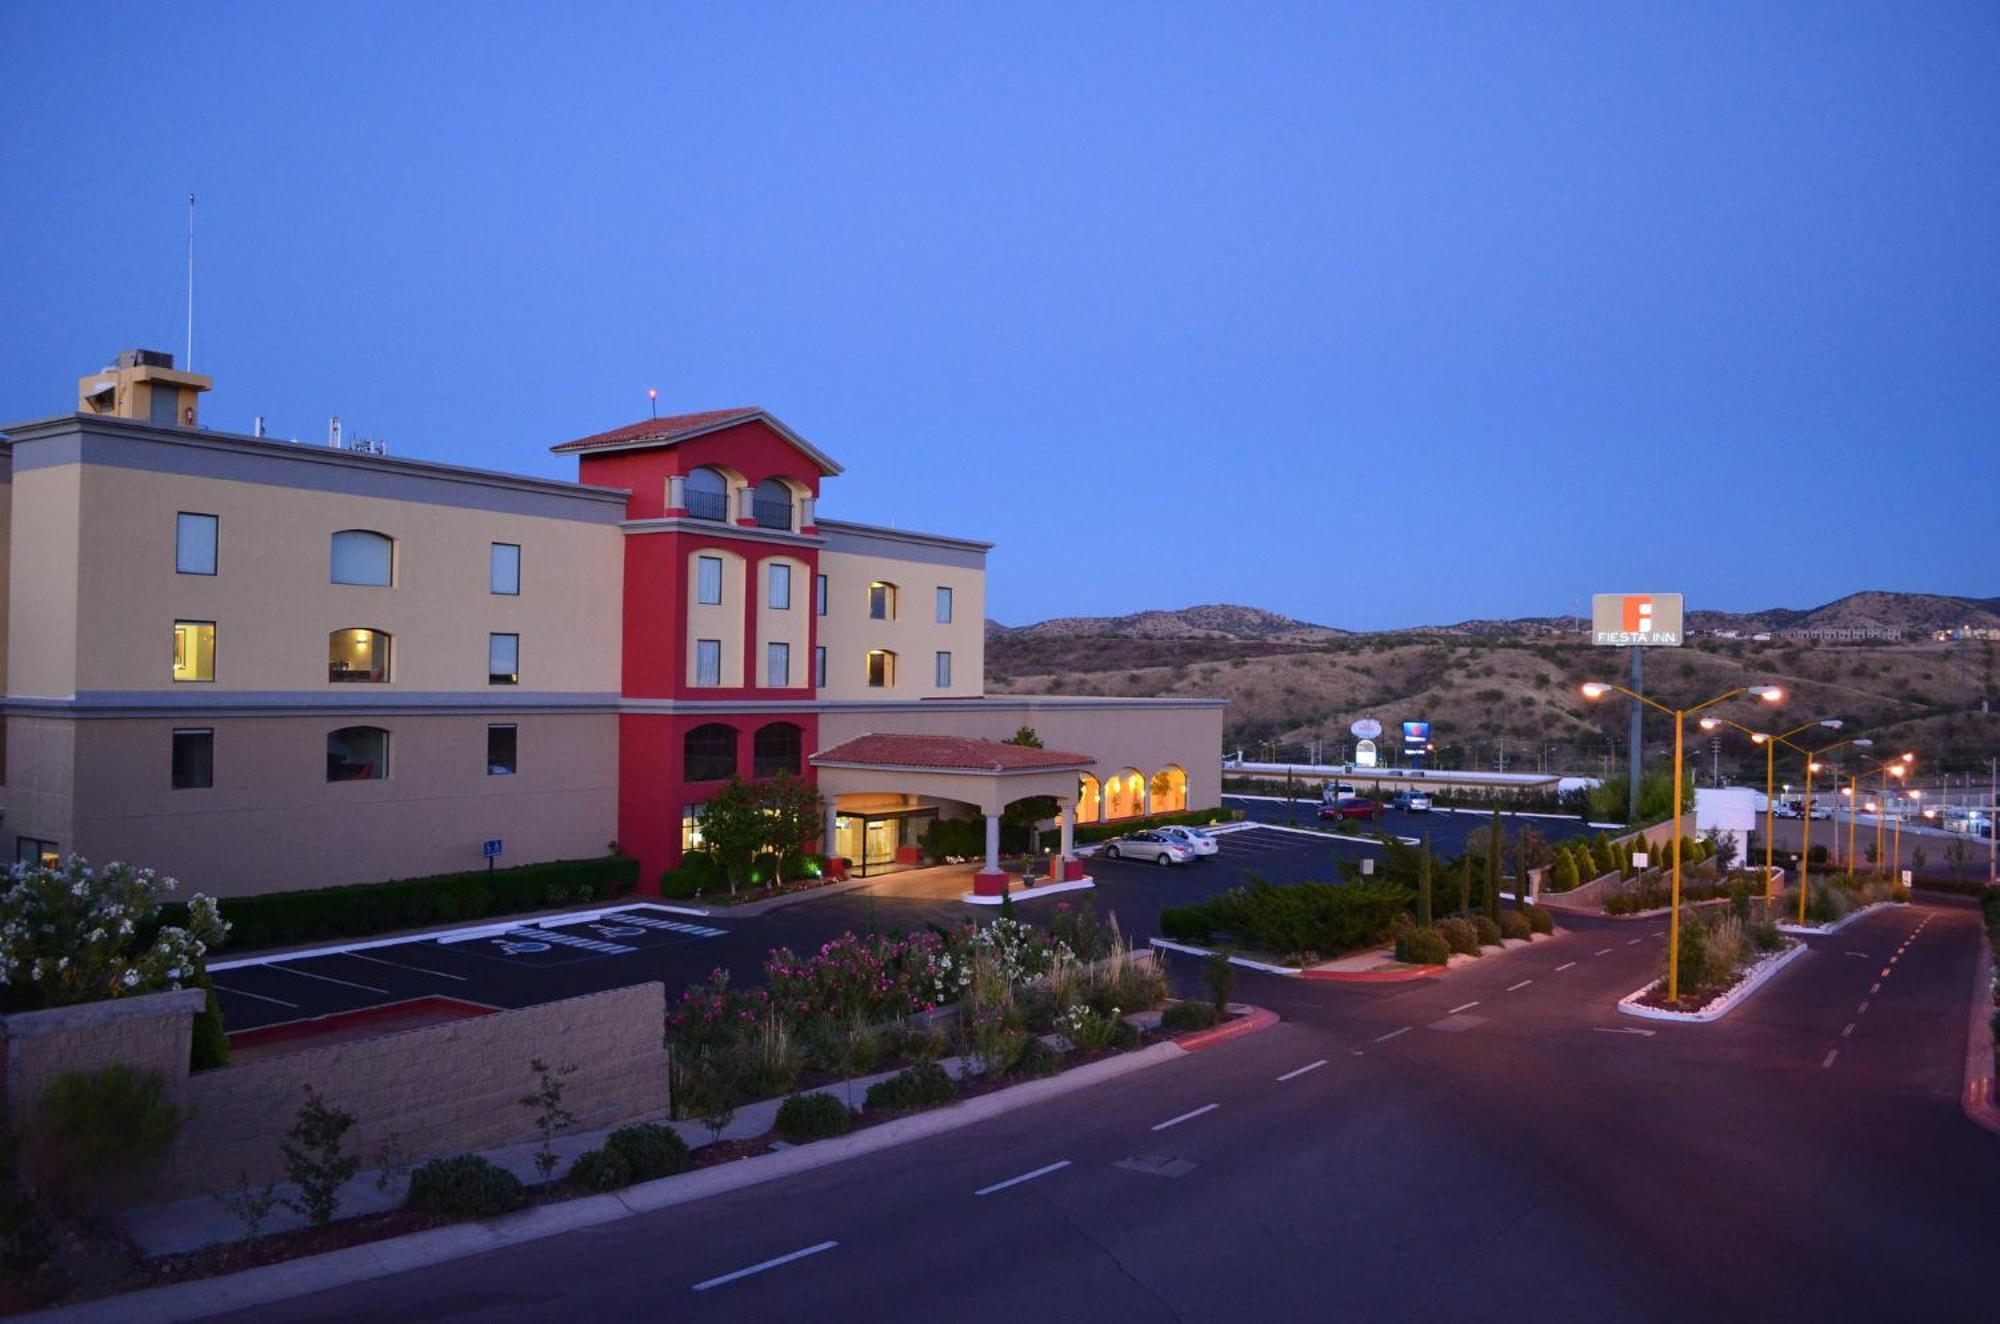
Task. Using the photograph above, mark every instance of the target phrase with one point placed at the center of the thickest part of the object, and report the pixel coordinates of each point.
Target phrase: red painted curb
(1258, 1019)
(1979, 1067)
(1375, 976)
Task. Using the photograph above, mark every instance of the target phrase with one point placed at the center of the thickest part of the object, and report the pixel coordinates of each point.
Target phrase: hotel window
(502, 750)
(819, 667)
(34, 850)
(194, 650)
(357, 754)
(708, 753)
(357, 656)
(708, 661)
(819, 595)
(362, 557)
(776, 748)
(503, 659)
(690, 827)
(194, 544)
(777, 665)
(194, 760)
(881, 669)
(881, 601)
(707, 494)
(504, 570)
(944, 671)
(778, 595)
(708, 580)
(944, 606)
(771, 505)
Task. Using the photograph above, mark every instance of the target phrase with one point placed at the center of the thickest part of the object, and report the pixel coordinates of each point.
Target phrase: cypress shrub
(1488, 931)
(1514, 924)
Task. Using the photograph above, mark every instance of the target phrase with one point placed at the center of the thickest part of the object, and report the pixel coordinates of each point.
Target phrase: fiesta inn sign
(1621, 619)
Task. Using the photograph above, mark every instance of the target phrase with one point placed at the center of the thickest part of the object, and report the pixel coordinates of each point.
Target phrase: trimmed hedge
(1488, 932)
(1514, 924)
(812, 1117)
(1106, 831)
(465, 1186)
(924, 1085)
(648, 1150)
(1541, 920)
(1422, 947)
(1460, 936)
(1181, 1017)
(597, 1170)
(357, 910)
(1298, 917)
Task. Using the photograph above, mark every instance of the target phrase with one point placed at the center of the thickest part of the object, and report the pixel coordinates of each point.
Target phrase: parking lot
(1448, 828)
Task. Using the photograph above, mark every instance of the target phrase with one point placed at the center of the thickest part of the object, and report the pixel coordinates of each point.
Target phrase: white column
(806, 511)
(832, 829)
(993, 843)
(676, 493)
(1146, 795)
(1068, 830)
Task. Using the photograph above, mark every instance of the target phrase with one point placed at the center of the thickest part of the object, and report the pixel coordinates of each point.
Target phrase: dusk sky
(1371, 314)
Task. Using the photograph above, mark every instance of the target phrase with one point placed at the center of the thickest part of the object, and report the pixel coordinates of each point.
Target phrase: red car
(1351, 806)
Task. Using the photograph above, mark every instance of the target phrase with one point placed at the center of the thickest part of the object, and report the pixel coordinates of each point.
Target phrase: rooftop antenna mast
(188, 364)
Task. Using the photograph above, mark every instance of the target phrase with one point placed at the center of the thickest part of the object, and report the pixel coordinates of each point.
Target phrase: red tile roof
(659, 429)
(949, 754)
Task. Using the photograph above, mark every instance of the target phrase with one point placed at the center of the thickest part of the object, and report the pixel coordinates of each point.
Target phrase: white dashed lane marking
(1384, 1038)
(1849, 1030)
(1606, 952)
(1310, 1066)
(1042, 1171)
(705, 1284)
(1463, 1006)
(1187, 1116)
(1831, 1054)
(1564, 966)
(1523, 984)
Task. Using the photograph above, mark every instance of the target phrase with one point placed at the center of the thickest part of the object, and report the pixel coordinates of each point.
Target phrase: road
(1493, 1144)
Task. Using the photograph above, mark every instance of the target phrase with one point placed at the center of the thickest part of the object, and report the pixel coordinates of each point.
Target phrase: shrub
(1038, 1059)
(648, 1150)
(812, 1117)
(1182, 1017)
(74, 934)
(1423, 947)
(314, 1159)
(1460, 936)
(277, 918)
(924, 1085)
(1219, 974)
(1562, 874)
(697, 875)
(1514, 924)
(1306, 917)
(210, 1046)
(1541, 920)
(1186, 923)
(1488, 931)
(599, 1170)
(465, 1186)
(99, 1134)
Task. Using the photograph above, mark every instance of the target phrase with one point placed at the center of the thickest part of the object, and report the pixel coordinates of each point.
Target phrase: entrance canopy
(988, 773)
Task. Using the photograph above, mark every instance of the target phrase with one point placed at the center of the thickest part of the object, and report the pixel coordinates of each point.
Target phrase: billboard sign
(1646, 619)
(1364, 754)
(1366, 729)
(1416, 737)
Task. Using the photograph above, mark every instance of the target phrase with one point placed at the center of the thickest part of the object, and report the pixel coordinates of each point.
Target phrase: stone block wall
(154, 1032)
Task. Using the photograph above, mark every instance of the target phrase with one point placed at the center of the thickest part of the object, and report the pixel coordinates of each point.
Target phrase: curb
(1978, 1097)
(1375, 976)
(286, 1280)
(1821, 931)
(1261, 967)
(1031, 893)
(1722, 1006)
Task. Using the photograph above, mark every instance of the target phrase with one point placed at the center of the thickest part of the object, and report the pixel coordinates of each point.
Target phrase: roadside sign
(1639, 859)
(1366, 729)
(491, 850)
(1907, 876)
(1364, 754)
(1618, 620)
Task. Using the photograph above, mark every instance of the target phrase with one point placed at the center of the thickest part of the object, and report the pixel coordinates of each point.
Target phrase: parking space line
(326, 979)
(398, 965)
(707, 1283)
(1310, 1066)
(244, 993)
(1187, 1116)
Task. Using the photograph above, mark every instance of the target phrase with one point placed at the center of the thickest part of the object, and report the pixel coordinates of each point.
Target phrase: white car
(1415, 802)
(1150, 845)
(1193, 838)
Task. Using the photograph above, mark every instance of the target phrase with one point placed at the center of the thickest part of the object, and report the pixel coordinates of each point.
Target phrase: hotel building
(260, 665)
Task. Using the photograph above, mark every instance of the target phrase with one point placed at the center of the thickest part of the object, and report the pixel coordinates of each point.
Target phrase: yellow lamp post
(1805, 834)
(1770, 743)
(1898, 769)
(1896, 851)
(1598, 689)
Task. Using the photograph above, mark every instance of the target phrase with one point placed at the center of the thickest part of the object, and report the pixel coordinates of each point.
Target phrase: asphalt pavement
(1495, 1143)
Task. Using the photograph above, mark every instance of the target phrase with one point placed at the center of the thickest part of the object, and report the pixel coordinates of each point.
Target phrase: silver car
(1193, 838)
(1148, 845)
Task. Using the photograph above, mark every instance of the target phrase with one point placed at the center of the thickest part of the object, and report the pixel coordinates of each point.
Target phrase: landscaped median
(1723, 960)
(1983, 1034)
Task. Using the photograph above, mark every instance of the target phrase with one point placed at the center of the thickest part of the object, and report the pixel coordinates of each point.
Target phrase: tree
(1496, 839)
(794, 816)
(732, 830)
(1562, 875)
(1424, 886)
(1465, 885)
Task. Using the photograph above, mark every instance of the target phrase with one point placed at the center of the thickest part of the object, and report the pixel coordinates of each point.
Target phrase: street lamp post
(1805, 836)
(1768, 693)
(1770, 743)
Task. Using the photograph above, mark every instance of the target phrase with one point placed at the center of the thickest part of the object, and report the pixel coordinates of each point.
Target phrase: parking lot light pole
(1595, 690)
(1770, 743)
(1805, 838)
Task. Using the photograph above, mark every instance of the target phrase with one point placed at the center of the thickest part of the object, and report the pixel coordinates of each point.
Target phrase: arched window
(357, 754)
(771, 504)
(708, 753)
(357, 656)
(881, 669)
(1124, 794)
(881, 601)
(1170, 790)
(776, 749)
(707, 494)
(1088, 803)
(361, 556)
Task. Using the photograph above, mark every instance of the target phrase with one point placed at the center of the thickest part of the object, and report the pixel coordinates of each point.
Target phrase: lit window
(35, 851)
(708, 661)
(819, 667)
(362, 557)
(777, 665)
(708, 753)
(690, 827)
(881, 669)
(944, 606)
(504, 572)
(194, 760)
(502, 750)
(708, 580)
(194, 544)
(779, 594)
(881, 601)
(944, 671)
(503, 659)
(819, 595)
(194, 650)
(357, 656)
(357, 754)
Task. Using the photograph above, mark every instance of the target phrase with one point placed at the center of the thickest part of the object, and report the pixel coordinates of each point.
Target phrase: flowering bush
(73, 934)
(714, 1016)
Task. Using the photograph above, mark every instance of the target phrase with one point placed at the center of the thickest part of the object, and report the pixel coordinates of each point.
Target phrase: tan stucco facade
(915, 635)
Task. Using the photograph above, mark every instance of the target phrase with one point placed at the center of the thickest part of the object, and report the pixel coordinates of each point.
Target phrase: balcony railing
(707, 505)
(772, 514)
